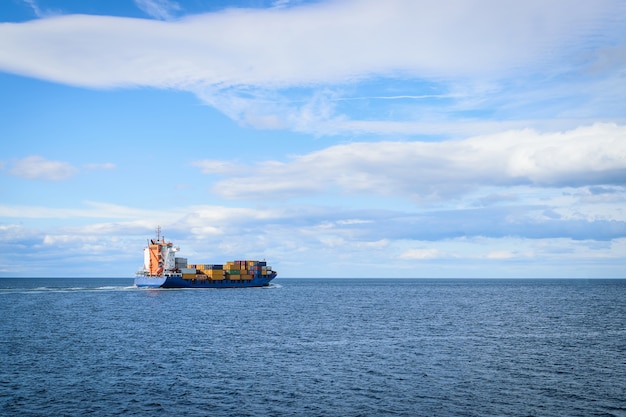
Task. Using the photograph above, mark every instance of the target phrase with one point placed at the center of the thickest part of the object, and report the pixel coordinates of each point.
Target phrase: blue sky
(344, 138)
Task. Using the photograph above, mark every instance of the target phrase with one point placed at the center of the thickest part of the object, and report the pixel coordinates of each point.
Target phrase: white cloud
(243, 61)
(36, 167)
(13, 232)
(280, 3)
(39, 168)
(501, 254)
(352, 221)
(310, 241)
(93, 210)
(417, 254)
(105, 166)
(158, 9)
(326, 42)
(35, 7)
(213, 166)
(59, 240)
(588, 155)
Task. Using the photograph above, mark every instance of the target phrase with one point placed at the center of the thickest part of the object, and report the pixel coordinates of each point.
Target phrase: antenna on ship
(158, 233)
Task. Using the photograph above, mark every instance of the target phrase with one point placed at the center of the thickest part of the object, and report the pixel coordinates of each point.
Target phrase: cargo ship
(163, 269)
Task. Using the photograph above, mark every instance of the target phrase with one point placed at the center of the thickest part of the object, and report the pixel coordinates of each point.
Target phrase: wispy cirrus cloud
(39, 11)
(38, 168)
(418, 39)
(104, 166)
(213, 166)
(159, 9)
(35, 7)
(241, 62)
(420, 254)
(93, 210)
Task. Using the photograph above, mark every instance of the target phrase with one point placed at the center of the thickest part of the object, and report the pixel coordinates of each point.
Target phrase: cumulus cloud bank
(588, 155)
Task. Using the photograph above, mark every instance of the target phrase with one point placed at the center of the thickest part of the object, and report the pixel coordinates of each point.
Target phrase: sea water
(314, 347)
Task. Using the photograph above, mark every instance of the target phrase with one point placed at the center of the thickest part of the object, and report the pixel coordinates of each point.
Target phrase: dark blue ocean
(314, 347)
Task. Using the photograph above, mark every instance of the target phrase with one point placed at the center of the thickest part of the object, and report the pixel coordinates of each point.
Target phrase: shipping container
(216, 275)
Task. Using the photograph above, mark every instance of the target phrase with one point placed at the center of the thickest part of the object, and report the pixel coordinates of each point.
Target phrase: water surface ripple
(314, 347)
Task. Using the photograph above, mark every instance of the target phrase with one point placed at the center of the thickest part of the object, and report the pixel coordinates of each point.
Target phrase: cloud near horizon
(294, 237)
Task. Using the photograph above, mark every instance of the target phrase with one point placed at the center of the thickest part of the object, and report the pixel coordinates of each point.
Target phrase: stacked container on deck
(213, 272)
(234, 270)
(245, 270)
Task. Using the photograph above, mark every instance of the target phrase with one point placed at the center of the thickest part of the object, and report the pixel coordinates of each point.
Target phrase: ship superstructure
(159, 257)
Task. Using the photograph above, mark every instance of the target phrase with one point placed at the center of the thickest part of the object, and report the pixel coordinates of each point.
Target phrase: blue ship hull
(179, 282)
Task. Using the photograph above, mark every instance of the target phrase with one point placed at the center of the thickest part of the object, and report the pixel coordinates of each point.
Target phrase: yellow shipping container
(235, 277)
(189, 276)
(216, 275)
(246, 276)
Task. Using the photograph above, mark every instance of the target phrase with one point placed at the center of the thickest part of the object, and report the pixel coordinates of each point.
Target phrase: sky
(338, 138)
